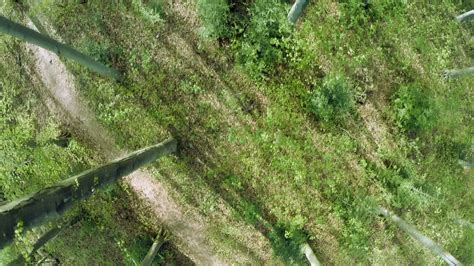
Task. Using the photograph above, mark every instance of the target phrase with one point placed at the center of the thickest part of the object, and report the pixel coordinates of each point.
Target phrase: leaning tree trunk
(51, 202)
(465, 223)
(454, 73)
(160, 239)
(308, 252)
(296, 10)
(466, 16)
(23, 33)
(425, 241)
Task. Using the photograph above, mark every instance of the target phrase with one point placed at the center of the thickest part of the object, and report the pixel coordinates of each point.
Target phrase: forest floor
(187, 228)
(271, 157)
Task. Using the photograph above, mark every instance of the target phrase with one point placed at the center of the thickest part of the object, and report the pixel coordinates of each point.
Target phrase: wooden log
(51, 202)
(466, 16)
(296, 10)
(454, 73)
(310, 256)
(424, 240)
(23, 33)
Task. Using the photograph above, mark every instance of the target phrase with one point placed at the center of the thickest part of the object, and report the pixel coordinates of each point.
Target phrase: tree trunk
(465, 223)
(425, 241)
(51, 202)
(466, 16)
(454, 73)
(296, 10)
(308, 252)
(160, 239)
(23, 33)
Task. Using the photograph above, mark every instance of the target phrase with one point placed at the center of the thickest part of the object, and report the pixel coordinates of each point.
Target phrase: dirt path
(187, 229)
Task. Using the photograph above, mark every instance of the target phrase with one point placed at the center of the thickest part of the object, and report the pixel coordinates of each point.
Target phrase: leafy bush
(267, 38)
(214, 15)
(332, 101)
(289, 248)
(413, 109)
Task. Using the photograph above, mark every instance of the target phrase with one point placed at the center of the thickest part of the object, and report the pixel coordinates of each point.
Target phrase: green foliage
(286, 240)
(356, 16)
(30, 161)
(302, 177)
(413, 110)
(266, 39)
(332, 101)
(214, 15)
(151, 10)
(289, 248)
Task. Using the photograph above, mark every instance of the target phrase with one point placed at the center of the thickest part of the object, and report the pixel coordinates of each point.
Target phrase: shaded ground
(61, 88)
(252, 152)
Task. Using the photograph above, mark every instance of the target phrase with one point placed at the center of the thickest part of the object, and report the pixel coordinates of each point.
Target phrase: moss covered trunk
(53, 201)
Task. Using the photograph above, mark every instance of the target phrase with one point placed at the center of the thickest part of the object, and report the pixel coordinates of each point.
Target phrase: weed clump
(413, 111)
(333, 101)
(214, 15)
(266, 40)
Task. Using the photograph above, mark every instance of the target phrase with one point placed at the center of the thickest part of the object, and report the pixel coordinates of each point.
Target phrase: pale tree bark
(160, 239)
(466, 165)
(23, 33)
(424, 240)
(308, 252)
(296, 10)
(53, 201)
(466, 16)
(454, 73)
(465, 223)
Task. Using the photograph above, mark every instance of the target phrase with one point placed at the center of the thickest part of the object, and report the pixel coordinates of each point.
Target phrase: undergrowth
(279, 130)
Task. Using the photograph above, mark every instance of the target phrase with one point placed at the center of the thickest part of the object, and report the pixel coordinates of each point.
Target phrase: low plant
(332, 101)
(267, 39)
(214, 15)
(413, 111)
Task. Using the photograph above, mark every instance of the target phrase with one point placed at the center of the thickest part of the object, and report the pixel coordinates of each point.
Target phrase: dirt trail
(187, 229)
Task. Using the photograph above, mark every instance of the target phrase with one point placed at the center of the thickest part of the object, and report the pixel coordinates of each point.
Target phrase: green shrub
(289, 248)
(151, 10)
(413, 110)
(214, 15)
(333, 101)
(266, 40)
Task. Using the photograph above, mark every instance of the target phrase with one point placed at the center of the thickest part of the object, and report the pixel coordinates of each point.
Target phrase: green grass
(108, 230)
(270, 132)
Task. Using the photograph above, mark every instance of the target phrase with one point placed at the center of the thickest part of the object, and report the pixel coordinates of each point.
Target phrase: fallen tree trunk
(425, 241)
(296, 10)
(23, 33)
(465, 16)
(51, 202)
(465, 223)
(308, 252)
(454, 73)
